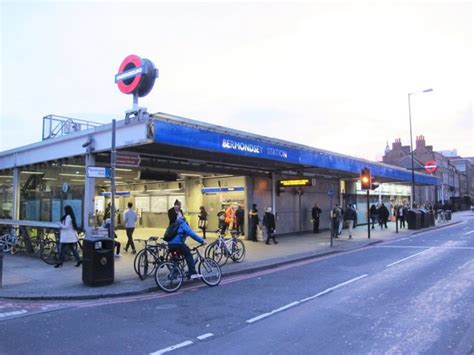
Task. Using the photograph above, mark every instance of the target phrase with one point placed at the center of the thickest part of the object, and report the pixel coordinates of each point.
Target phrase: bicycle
(147, 259)
(170, 275)
(222, 249)
(50, 247)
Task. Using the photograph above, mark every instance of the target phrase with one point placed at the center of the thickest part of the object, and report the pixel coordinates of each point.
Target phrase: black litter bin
(413, 219)
(98, 262)
(424, 222)
(448, 215)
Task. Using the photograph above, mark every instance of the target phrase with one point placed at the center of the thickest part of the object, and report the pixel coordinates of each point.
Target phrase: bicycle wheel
(218, 255)
(135, 261)
(210, 271)
(207, 251)
(169, 277)
(49, 252)
(238, 252)
(6, 242)
(146, 264)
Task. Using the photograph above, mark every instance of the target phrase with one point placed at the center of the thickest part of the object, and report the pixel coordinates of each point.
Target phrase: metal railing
(56, 126)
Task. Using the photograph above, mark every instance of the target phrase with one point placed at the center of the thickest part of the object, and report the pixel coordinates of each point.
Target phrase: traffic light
(365, 179)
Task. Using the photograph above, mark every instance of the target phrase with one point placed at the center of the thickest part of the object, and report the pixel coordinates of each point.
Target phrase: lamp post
(411, 147)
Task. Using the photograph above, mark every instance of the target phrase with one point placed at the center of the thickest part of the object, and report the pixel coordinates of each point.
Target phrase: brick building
(456, 174)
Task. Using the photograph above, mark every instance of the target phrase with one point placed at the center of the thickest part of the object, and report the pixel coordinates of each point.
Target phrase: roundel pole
(136, 76)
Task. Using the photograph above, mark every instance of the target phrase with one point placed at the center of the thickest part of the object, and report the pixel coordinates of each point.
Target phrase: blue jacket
(184, 231)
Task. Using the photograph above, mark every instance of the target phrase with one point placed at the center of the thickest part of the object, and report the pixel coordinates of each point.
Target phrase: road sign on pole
(98, 172)
(130, 159)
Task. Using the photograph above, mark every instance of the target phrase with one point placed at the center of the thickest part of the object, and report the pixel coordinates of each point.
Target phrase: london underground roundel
(431, 166)
(136, 75)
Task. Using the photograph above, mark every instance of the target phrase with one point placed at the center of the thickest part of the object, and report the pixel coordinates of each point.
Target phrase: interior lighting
(51, 179)
(75, 175)
(6, 176)
(32, 172)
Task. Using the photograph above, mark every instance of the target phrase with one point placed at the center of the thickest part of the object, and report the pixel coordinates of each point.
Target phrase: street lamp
(411, 147)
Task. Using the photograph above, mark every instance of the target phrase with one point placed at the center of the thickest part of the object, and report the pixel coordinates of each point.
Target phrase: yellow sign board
(295, 182)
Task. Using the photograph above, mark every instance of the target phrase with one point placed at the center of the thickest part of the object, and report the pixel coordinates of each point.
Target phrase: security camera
(87, 143)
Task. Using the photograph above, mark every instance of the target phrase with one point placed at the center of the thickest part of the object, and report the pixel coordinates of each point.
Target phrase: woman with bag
(68, 236)
(202, 223)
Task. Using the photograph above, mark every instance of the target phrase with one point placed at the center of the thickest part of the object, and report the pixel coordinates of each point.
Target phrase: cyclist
(178, 244)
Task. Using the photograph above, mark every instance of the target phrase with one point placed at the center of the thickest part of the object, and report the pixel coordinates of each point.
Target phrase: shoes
(125, 251)
(276, 242)
(196, 276)
(58, 265)
(78, 263)
(336, 236)
(118, 255)
(267, 243)
(134, 251)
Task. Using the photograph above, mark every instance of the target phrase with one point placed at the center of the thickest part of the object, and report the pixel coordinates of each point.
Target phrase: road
(410, 295)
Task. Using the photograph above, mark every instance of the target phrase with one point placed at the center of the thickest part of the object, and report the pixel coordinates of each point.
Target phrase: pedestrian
(269, 224)
(350, 216)
(230, 217)
(335, 216)
(253, 223)
(221, 221)
(130, 219)
(175, 212)
(117, 244)
(202, 222)
(107, 211)
(383, 215)
(341, 220)
(315, 214)
(374, 215)
(239, 219)
(68, 236)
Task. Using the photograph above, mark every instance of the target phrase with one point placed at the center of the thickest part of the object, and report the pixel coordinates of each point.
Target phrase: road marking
(409, 257)
(265, 315)
(173, 347)
(420, 247)
(13, 313)
(466, 228)
(205, 336)
(469, 232)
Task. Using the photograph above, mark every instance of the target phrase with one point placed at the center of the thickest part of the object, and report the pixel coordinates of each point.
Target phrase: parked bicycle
(50, 247)
(170, 275)
(147, 259)
(222, 249)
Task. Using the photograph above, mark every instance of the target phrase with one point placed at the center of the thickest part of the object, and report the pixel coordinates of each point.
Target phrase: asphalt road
(411, 295)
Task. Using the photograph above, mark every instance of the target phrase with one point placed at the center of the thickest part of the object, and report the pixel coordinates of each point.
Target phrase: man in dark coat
(175, 212)
(240, 218)
(315, 214)
(383, 215)
(269, 224)
(253, 223)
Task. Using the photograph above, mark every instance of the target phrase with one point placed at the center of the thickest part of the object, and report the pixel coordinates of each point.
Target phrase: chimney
(420, 143)
(397, 145)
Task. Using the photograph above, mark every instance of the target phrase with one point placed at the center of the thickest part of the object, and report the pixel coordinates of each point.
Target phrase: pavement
(28, 277)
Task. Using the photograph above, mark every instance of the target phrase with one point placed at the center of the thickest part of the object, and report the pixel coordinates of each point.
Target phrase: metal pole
(412, 158)
(112, 176)
(368, 215)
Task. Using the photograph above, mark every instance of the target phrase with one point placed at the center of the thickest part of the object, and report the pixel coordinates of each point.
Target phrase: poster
(159, 204)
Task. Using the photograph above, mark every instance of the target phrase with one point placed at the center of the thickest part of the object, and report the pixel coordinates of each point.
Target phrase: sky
(331, 75)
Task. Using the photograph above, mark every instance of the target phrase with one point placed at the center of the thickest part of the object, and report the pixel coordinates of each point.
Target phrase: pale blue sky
(333, 76)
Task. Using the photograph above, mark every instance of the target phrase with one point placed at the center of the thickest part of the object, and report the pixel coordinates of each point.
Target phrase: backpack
(171, 232)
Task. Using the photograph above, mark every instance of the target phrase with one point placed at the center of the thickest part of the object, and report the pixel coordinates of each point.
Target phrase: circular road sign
(431, 166)
(136, 75)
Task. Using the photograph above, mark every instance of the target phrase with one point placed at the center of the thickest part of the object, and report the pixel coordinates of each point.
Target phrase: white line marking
(265, 315)
(420, 247)
(13, 313)
(466, 228)
(173, 347)
(205, 336)
(469, 232)
(409, 257)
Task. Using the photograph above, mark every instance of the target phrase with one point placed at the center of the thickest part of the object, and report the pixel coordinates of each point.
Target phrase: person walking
(315, 214)
(335, 216)
(130, 220)
(341, 220)
(374, 215)
(175, 212)
(239, 219)
(269, 224)
(253, 223)
(350, 216)
(383, 215)
(202, 222)
(68, 236)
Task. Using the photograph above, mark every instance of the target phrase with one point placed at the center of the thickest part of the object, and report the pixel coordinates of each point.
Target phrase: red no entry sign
(431, 166)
